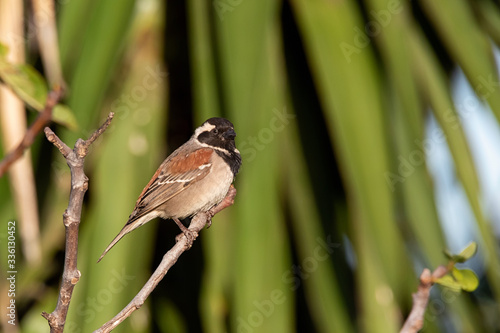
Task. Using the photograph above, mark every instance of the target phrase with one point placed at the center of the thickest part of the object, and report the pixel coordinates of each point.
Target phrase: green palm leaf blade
(407, 111)
(468, 45)
(434, 85)
(322, 287)
(490, 16)
(349, 90)
(249, 60)
(219, 242)
(90, 74)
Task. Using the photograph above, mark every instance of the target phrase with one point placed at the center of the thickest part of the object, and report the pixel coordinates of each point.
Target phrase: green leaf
(460, 279)
(30, 86)
(466, 278)
(463, 256)
(468, 252)
(26, 82)
(63, 115)
(449, 282)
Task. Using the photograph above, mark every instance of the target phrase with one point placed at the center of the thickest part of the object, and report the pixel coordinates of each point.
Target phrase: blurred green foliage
(331, 227)
(30, 86)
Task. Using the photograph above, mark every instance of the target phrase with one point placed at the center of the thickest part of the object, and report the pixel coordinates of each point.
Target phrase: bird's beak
(229, 134)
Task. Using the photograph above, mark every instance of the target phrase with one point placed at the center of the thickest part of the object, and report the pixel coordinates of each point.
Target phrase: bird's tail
(125, 230)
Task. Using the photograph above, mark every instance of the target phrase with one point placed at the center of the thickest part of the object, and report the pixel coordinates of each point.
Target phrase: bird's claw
(190, 237)
(209, 221)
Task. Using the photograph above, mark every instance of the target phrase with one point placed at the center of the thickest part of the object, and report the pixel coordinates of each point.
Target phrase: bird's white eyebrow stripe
(205, 128)
(225, 151)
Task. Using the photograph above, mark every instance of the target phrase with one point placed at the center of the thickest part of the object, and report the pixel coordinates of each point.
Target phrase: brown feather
(182, 164)
(171, 178)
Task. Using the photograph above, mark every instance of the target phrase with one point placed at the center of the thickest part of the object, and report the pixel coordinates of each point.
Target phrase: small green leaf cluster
(460, 279)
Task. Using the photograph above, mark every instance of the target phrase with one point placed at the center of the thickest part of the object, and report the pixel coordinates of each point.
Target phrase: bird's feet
(190, 234)
(209, 220)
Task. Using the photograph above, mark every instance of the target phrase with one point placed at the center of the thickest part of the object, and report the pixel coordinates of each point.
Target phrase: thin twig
(41, 121)
(198, 222)
(71, 219)
(415, 320)
(99, 131)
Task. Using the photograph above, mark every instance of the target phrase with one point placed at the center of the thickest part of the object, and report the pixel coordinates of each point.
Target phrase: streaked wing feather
(166, 184)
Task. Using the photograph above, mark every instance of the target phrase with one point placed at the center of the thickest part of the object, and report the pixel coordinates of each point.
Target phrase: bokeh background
(369, 136)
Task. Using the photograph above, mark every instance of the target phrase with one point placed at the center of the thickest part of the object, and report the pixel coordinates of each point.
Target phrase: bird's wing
(176, 174)
(173, 176)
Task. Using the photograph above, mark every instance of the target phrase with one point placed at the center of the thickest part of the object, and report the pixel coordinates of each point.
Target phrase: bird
(194, 178)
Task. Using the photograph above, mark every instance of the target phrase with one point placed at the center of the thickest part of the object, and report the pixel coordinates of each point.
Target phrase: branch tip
(415, 320)
(101, 129)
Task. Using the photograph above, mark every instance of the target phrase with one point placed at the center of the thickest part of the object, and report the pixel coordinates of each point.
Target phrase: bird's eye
(215, 131)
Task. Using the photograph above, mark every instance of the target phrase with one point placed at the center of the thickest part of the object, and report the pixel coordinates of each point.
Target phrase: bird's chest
(207, 192)
(217, 182)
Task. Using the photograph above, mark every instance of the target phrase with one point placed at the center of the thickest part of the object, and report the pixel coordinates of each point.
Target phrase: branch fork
(71, 219)
(415, 320)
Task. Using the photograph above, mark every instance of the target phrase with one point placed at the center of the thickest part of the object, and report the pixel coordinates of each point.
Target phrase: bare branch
(71, 219)
(41, 121)
(100, 130)
(198, 222)
(54, 139)
(415, 320)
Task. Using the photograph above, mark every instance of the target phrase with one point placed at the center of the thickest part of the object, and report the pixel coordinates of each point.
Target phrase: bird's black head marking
(219, 134)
